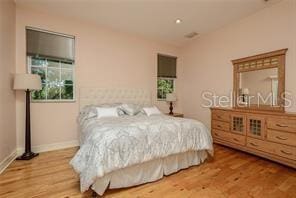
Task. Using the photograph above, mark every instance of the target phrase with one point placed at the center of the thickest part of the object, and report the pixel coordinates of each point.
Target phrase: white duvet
(109, 144)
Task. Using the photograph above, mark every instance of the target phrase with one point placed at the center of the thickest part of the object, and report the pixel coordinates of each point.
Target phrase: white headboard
(96, 96)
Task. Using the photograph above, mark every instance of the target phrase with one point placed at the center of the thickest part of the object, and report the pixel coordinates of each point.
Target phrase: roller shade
(166, 66)
(45, 44)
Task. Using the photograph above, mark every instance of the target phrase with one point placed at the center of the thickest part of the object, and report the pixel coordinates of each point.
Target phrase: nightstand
(180, 115)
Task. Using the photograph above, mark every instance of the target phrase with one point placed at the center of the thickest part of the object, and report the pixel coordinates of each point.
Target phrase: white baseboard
(50, 147)
(7, 161)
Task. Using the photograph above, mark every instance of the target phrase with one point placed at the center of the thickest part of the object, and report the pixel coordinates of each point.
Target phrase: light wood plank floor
(230, 174)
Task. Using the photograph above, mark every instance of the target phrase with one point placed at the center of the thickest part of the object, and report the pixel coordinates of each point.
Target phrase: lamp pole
(28, 154)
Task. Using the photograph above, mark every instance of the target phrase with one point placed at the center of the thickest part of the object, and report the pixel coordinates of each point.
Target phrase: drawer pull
(216, 134)
(279, 125)
(281, 138)
(219, 117)
(285, 152)
(219, 126)
(235, 139)
(253, 144)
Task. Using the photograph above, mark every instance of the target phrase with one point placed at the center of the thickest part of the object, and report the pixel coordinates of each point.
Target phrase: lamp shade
(171, 97)
(246, 91)
(27, 81)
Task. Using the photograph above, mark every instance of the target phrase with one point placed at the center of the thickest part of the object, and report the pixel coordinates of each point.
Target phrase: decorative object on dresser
(27, 82)
(268, 134)
(259, 81)
(245, 93)
(261, 129)
(171, 97)
(180, 115)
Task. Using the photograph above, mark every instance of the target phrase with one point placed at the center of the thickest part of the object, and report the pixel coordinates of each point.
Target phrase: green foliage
(164, 86)
(67, 90)
(56, 83)
(39, 95)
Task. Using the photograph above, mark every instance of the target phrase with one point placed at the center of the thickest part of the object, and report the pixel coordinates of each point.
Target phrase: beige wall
(104, 58)
(7, 69)
(207, 61)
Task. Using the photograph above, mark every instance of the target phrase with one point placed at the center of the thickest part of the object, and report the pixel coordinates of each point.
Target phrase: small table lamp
(245, 93)
(171, 97)
(27, 82)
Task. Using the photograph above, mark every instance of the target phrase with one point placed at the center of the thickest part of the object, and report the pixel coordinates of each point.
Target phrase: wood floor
(230, 174)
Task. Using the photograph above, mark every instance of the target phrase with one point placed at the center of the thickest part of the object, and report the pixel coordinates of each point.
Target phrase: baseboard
(7, 161)
(50, 147)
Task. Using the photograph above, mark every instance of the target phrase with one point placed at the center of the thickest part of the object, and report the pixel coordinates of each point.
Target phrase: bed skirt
(149, 171)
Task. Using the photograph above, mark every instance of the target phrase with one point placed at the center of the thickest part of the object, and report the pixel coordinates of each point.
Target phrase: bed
(132, 150)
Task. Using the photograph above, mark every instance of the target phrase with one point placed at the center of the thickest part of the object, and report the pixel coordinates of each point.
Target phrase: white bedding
(148, 171)
(110, 144)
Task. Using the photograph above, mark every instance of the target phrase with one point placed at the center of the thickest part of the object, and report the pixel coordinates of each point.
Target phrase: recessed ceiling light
(178, 21)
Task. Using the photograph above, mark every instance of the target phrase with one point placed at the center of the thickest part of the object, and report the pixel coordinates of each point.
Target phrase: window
(165, 86)
(166, 72)
(57, 79)
(51, 55)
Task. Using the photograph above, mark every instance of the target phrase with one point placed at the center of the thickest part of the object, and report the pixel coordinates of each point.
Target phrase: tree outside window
(164, 86)
(57, 79)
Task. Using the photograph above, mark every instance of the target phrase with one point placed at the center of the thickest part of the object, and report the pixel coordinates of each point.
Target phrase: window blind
(51, 45)
(166, 66)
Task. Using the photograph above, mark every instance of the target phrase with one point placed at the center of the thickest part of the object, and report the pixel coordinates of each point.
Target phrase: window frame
(165, 78)
(29, 71)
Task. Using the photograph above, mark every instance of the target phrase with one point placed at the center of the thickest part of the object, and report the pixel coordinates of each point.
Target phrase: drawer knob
(253, 144)
(219, 126)
(279, 125)
(285, 152)
(216, 134)
(235, 139)
(281, 138)
(219, 117)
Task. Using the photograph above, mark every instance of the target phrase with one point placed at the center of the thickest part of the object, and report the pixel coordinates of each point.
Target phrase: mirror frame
(274, 59)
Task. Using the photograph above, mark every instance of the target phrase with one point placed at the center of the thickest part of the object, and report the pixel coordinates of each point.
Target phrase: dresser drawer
(229, 137)
(272, 148)
(282, 124)
(220, 125)
(281, 137)
(221, 115)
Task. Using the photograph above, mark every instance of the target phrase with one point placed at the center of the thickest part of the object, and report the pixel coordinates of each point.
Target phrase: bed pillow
(88, 112)
(103, 112)
(151, 111)
(131, 109)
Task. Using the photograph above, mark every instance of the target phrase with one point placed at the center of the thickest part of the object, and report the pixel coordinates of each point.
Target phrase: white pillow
(103, 112)
(151, 111)
(131, 109)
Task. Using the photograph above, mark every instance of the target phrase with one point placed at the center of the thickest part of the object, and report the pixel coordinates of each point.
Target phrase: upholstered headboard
(96, 96)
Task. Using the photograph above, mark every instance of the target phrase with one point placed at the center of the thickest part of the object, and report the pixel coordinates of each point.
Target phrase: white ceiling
(154, 19)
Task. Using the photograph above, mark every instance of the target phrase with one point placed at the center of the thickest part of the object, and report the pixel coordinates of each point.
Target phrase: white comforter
(108, 144)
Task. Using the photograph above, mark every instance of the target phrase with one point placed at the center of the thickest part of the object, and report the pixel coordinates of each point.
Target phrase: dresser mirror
(259, 81)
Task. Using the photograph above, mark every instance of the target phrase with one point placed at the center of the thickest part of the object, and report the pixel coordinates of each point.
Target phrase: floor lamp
(27, 83)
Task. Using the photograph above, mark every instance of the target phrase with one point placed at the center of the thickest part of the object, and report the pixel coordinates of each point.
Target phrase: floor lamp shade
(27, 82)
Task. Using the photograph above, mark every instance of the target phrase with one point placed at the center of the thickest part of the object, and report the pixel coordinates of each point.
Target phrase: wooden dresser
(268, 134)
